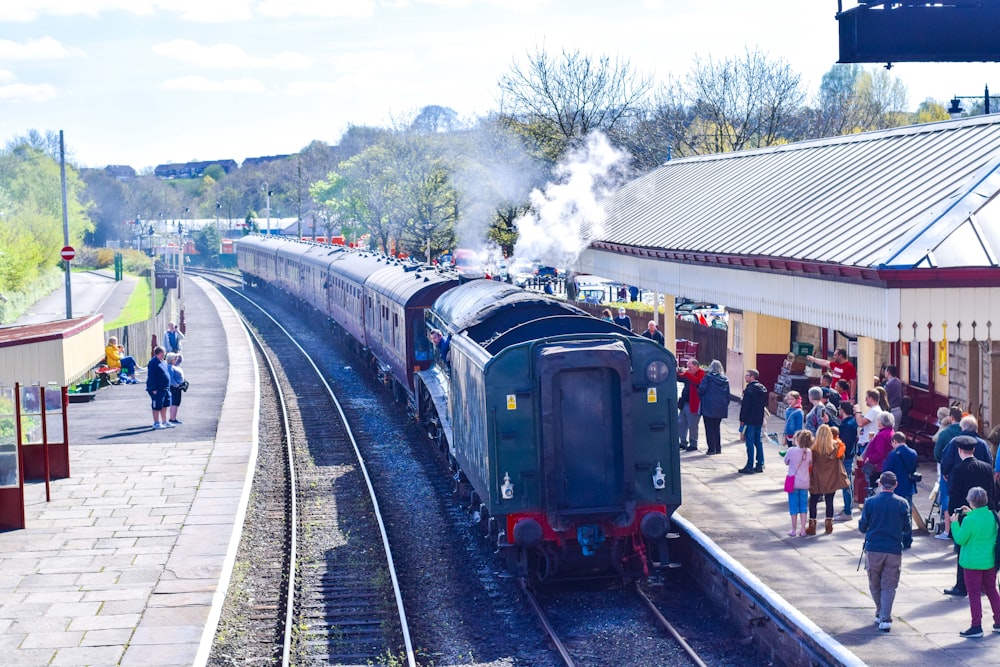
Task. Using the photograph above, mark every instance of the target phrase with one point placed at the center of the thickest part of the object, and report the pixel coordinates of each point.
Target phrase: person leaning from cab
(441, 344)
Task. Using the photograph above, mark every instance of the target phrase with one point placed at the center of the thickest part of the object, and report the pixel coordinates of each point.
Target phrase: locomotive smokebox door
(586, 428)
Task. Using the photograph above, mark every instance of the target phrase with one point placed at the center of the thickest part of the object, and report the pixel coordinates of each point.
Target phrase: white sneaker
(885, 626)
(158, 426)
(942, 536)
(169, 425)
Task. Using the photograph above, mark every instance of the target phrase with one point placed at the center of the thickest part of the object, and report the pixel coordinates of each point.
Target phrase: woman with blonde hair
(828, 476)
(798, 459)
(114, 359)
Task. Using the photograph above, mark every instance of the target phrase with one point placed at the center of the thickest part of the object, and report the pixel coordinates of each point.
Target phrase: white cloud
(44, 48)
(31, 10)
(26, 92)
(310, 87)
(202, 85)
(376, 62)
(320, 8)
(210, 11)
(226, 56)
(6, 75)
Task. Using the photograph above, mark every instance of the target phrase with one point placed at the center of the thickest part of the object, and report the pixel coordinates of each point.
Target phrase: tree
(729, 105)
(557, 101)
(852, 99)
(208, 242)
(930, 111)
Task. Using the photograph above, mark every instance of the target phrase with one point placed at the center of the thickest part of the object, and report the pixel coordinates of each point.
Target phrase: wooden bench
(919, 429)
(107, 375)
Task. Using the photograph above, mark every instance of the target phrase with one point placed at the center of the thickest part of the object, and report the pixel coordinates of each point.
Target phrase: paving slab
(81, 583)
(747, 516)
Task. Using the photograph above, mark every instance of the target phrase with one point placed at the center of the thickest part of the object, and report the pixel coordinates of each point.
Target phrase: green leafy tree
(208, 243)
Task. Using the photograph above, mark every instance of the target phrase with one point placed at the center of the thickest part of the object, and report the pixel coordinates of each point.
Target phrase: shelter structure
(58, 352)
(885, 243)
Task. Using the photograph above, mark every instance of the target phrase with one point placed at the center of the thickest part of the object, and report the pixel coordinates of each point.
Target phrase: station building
(884, 243)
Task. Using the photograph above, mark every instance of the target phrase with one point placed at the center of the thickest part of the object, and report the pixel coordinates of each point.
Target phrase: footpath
(129, 562)
(747, 516)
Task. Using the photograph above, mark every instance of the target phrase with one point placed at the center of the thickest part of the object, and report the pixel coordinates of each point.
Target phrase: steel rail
(410, 655)
(544, 620)
(671, 630)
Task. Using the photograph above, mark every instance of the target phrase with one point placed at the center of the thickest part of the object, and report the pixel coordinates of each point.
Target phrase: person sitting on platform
(114, 359)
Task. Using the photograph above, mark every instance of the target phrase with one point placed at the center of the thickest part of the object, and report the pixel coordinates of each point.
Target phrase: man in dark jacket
(158, 388)
(884, 519)
(849, 436)
(902, 461)
(752, 420)
(714, 393)
(969, 472)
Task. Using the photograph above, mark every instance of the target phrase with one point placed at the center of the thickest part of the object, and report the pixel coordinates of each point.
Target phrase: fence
(137, 338)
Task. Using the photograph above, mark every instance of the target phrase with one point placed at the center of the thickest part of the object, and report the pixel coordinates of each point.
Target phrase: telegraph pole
(65, 217)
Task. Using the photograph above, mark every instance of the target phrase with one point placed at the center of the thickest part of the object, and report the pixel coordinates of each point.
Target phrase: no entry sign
(67, 253)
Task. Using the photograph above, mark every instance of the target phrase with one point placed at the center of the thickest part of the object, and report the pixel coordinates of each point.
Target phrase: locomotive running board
(435, 387)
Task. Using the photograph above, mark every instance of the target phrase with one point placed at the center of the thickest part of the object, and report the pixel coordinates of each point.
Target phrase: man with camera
(969, 472)
(902, 461)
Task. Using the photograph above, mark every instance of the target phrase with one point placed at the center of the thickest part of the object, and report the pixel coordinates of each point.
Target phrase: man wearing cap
(969, 472)
(623, 320)
(885, 518)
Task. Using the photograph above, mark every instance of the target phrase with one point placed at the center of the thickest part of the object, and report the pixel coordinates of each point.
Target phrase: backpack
(831, 412)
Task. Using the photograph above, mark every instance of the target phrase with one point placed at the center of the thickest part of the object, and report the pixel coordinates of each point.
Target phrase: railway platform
(129, 562)
(747, 516)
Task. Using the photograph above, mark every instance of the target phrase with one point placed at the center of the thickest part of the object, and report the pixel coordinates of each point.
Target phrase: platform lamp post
(956, 110)
(267, 197)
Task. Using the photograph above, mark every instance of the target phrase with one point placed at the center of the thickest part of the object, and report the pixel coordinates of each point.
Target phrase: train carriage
(398, 299)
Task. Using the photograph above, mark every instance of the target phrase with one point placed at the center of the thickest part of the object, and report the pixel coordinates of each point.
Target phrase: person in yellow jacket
(114, 359)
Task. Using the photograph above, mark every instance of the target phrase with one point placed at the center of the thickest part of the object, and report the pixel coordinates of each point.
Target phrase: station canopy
(892, 234)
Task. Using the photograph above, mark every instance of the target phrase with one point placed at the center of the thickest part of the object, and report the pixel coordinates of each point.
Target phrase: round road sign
(67, 253)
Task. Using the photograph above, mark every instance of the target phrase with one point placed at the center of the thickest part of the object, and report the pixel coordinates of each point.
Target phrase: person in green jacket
(977, 535)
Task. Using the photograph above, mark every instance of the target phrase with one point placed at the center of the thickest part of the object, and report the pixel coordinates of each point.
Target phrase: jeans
(687, 423)
(752, 434)
(883, 577)
(848, 495)
(713, 434)
(978, 582)
(128, 365)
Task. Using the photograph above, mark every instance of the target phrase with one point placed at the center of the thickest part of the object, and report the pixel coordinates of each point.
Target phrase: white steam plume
(568, 213)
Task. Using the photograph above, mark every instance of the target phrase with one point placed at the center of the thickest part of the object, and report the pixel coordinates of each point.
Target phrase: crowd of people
(831, 445)
(165, 381)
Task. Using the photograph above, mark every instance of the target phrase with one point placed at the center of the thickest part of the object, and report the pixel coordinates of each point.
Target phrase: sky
(148, 82)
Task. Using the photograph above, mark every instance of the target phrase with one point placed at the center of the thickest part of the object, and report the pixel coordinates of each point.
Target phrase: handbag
(790, 479)
(183, 386)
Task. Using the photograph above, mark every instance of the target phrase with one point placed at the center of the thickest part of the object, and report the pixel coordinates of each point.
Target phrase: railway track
(578, 644)
(334, 598)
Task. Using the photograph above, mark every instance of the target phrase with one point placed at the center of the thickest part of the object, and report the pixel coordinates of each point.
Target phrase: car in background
(469, 265)
(546, 273)
(520, 272)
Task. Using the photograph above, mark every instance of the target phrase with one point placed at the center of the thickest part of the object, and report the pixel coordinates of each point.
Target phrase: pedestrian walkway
(93, 292)
(129, 562)
(747, 516)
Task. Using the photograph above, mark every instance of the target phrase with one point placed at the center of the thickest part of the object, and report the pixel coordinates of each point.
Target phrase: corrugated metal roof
(914, 196)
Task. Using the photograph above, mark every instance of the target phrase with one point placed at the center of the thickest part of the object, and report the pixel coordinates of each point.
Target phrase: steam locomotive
(560, 426)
